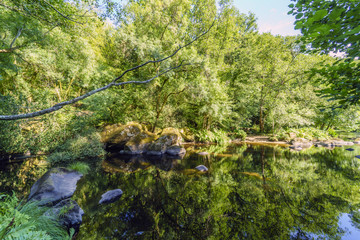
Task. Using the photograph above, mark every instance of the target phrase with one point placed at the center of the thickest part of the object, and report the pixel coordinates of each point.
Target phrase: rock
(201, 168)
(111, 196)
(68, 212)
(55, 185)
(175, 150)
(301, 143)
(350, 149)
(139, 144)
(187, 135)
(203, 153)
(356, 142)
(116, 136)
(296, 147)
(168, 137)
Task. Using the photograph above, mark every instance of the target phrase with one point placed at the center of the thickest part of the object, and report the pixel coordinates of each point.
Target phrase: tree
(160, 70)
(333, 27)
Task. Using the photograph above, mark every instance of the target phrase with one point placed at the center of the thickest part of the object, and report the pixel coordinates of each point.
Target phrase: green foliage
(333, 27)
(239, 134)
(80, 167)
(81, 148)
(215, 136)
(27, 221)
(332, 133)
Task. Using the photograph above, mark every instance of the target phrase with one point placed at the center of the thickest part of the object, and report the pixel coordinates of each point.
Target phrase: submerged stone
(201, 168)
(55, 185)
(111, 196)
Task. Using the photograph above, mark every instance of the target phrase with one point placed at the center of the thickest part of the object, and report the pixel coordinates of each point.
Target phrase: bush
(78, 148)
(217, 136)
(240, 134)
(308, 133)
(332, 133)
(27, 221)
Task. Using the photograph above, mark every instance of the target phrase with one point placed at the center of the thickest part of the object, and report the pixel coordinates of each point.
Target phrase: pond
(249, 192)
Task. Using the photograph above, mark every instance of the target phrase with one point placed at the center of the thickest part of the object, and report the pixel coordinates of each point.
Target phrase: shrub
(78, 148)
(27, 221)
(217, 136)
(332, 133)
(240, 134)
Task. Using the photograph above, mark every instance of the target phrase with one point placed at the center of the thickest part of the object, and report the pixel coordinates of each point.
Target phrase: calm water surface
(249, 192)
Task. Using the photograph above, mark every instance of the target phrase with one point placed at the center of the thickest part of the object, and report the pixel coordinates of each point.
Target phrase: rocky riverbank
(301, 143)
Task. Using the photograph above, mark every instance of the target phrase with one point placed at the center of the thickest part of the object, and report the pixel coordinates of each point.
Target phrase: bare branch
(74, 100)
(17, 35)
(165, 58)
(61, 14)
(113, 83)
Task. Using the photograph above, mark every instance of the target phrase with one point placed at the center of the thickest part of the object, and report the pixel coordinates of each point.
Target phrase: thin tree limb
(88, 94)
(17, 35)
(113, 83)
(61, 14)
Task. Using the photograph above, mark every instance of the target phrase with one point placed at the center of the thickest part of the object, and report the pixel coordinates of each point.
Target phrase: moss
(187, 135)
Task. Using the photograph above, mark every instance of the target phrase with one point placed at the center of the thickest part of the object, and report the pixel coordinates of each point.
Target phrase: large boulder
(139, 144)
(54, 189)
(168, 137)
(117, 135)
(55, 185)
(68, 212)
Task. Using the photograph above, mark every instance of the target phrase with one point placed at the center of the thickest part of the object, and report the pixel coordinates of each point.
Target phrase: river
(249, 192)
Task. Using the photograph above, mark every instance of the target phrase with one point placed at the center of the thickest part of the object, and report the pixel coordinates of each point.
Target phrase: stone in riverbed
(201, 168)
(175, 150)
(55, 185)
(68, 212)
(111, 196)
(203, 153)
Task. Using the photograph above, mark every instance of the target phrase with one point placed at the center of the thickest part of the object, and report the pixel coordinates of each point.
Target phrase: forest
(231, 78)
(69, 69)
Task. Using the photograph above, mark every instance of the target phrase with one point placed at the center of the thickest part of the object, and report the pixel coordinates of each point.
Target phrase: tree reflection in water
(253, 192)
(249, 192)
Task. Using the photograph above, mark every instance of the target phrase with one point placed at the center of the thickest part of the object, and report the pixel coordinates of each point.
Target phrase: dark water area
(249, 192)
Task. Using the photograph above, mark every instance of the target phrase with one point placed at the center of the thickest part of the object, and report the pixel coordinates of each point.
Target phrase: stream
(249, 192)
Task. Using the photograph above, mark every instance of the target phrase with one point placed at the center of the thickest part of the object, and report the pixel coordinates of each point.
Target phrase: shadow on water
(249, 192)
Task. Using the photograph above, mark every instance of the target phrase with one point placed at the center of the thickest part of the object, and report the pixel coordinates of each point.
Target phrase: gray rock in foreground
(55, 185)
(201, 168)
(68, 212)
(111, 196)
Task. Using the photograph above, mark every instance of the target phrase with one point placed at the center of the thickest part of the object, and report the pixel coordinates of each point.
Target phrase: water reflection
(250, 192)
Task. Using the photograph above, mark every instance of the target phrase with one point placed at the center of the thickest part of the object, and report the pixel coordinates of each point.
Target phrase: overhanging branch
(113, 83)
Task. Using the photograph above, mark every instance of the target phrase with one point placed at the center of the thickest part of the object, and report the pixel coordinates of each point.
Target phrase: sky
(271, 14)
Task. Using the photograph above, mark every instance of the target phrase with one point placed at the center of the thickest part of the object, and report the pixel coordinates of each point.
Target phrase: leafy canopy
(333, 26)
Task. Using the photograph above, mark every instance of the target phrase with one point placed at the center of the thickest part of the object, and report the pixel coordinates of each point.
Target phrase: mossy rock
(171, 136)
(187, 135)
(117, 135)
(139, 143)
